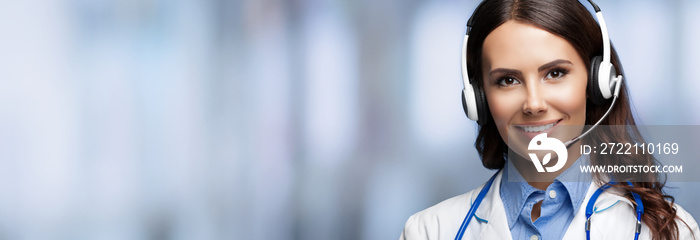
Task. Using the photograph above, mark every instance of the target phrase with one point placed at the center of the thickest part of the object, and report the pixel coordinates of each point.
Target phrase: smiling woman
(538, 68)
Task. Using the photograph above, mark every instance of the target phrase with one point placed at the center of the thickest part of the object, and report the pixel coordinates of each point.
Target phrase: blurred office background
(267, 119)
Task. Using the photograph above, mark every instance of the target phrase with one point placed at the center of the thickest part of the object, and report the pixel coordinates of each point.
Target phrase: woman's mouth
(539, 128)
(533, 129)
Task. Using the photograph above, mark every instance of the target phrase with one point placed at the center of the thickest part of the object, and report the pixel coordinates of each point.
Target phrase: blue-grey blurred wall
(267, 119)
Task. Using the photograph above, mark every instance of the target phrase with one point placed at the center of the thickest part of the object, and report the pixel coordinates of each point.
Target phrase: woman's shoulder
(447, 206)
(440, 218)
(613, 206)
(451, 206)
(691, 231)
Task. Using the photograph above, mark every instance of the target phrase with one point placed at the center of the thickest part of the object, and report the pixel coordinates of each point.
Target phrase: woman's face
(535, 82)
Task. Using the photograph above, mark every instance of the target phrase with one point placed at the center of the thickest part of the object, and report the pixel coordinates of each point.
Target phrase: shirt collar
(576, 182)
(514, 193)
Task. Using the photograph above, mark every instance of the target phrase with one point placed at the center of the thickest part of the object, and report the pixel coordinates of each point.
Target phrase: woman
(529, 63)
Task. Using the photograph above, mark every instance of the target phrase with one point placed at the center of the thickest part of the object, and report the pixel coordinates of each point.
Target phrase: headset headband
(604, 77)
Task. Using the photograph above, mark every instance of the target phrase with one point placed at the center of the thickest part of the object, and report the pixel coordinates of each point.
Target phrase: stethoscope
(589, 208)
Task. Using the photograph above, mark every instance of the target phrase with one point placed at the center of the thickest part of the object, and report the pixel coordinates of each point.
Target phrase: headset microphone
(617, 81)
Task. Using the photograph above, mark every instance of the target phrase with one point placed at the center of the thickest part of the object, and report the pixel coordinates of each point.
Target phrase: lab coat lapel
(492, 210)
(577, 228)
(613, 219)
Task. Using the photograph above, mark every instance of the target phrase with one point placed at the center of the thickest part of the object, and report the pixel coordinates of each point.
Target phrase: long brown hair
(572, 21)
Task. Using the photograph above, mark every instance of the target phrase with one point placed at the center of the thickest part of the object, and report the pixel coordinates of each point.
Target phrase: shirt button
(552, 193)
(534, 237)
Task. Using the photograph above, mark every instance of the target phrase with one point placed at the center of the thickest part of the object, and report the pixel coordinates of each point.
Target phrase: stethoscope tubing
(475, 205)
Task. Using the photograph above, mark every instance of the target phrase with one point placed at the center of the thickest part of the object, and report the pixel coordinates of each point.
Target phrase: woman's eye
(507, 81)
(556, 74)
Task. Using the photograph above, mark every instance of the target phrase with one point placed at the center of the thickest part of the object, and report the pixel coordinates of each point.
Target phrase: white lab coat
(615, 218)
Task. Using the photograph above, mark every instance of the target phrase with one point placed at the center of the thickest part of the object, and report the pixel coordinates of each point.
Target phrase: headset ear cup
(481, 105)
(477, 102)
(464, 103)
(594, 92)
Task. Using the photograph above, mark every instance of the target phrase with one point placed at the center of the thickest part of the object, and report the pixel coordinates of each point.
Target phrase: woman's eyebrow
(553, 63)
(504, 71)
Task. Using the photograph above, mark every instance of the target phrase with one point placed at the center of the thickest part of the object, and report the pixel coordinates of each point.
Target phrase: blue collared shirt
(560, 201)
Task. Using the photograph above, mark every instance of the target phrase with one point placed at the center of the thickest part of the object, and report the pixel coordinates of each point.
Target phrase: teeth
(538, 128)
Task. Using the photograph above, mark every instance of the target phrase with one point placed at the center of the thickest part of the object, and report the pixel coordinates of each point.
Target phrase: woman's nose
(535, 103)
